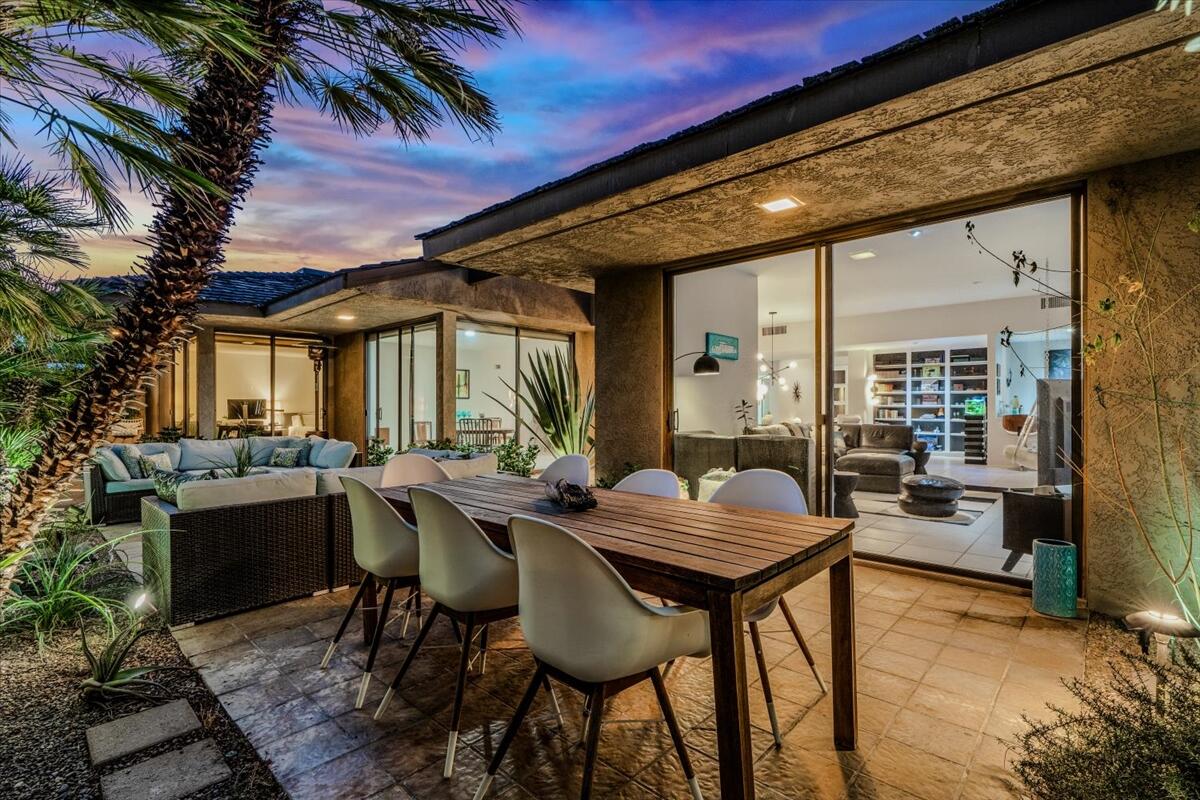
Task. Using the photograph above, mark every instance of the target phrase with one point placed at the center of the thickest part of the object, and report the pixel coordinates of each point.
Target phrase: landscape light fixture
(862, 255)
(704, 365)
(786, 203)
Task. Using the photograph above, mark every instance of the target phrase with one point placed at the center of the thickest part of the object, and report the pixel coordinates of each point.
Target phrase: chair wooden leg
(808, 656)
(664, 702)
(375, 640)
(460, 686)
(765, 680)
(539, 678)
(483, 647)
(592, 743)
(408, 659)
(337, 637)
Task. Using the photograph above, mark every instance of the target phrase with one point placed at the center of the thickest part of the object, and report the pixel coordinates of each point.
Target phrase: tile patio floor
(945, 672)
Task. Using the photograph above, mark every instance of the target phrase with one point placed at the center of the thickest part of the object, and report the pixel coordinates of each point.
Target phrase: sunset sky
(585, 81)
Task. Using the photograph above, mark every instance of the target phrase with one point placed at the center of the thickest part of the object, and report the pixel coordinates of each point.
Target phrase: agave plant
(109, 677)
(243, 462)
(559, 412)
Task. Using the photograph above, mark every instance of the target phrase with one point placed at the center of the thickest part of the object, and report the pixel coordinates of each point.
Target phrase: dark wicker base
(124, 507)
(216, 561)
(343, 569)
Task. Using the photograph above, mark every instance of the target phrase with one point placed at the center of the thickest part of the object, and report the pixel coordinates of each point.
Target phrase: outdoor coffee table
(725, 559)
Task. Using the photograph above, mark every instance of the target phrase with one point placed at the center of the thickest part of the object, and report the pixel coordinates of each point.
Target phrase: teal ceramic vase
(1055, 577)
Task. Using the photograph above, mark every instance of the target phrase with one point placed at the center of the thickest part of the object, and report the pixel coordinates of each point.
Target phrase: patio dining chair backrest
(579, 615)
(384, 544)
(407, 469)
(656, 482)
(768, 489)
(460, 567)
(574, 467)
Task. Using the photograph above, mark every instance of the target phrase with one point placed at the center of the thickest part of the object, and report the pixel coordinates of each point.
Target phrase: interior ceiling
(938, 267)
(1122, 94)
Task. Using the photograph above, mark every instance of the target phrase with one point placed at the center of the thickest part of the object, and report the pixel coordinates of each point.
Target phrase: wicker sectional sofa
(114, 494)
(239, 543)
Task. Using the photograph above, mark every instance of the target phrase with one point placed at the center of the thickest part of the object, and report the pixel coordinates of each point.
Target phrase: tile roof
(240, 288)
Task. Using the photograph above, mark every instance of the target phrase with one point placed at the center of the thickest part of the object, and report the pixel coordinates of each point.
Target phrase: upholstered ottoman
(878, 470)
(930, 495)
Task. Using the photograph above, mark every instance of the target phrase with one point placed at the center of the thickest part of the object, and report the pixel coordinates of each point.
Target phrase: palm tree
(367, 63)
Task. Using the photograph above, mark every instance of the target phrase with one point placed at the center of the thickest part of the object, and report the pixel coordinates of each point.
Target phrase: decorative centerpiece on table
(570, 496)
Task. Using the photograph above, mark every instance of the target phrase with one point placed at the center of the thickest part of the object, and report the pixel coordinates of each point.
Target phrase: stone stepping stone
(121, 737)
(168, 776)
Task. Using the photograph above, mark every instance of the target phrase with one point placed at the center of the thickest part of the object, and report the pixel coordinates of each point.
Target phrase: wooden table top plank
(543, 508)
(721, 516)
(821, 525)
(618, 550)
(716, 548)
(769, 547)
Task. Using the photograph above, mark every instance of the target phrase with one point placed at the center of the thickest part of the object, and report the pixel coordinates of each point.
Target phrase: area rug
(970, 508)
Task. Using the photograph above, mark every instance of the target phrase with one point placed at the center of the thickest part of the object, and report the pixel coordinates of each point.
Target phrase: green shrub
(1134, 737)
(70, 573)
(378, 452)
(515, 458)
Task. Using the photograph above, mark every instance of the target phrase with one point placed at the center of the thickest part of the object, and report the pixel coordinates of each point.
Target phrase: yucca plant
(109, 678)
(559, 411)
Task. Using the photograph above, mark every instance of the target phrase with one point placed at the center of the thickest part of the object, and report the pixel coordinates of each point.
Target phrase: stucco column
(206, 383)
(447, 362)
(347, 391)
(630, 422)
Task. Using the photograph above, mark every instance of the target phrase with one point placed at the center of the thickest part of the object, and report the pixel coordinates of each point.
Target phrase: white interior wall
(491, 358)
(719, 301)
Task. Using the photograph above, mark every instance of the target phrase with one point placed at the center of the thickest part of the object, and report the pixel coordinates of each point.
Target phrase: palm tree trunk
(220, 136)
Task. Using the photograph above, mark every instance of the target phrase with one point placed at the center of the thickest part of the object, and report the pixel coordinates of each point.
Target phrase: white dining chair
(574, 467)
(407, 469)
(587, 628)
(655, 482)
(385, 547)
(769, 490)
(470, 580)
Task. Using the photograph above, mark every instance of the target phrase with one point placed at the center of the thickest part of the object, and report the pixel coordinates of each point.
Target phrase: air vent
(1055, 302)
(774, 330)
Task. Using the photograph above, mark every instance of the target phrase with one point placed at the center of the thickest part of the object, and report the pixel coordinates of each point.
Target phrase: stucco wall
(346, 391)
(630, 423)
(1121, 575)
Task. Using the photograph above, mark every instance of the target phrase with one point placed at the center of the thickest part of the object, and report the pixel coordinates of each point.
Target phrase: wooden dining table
(728, 560)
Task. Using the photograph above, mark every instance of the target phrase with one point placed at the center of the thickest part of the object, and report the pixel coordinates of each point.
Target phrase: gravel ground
(43, 718)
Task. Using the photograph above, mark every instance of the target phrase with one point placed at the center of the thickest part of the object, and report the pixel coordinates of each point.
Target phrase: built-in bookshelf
(839, 391)
(933, 390)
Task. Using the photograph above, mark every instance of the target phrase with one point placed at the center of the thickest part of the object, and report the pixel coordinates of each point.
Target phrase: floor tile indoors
(945, 672)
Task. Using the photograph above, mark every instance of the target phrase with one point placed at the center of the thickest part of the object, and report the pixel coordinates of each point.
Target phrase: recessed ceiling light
(469, 334)
(781, 204)
(346, 317)
(915, 233)
(862, 255)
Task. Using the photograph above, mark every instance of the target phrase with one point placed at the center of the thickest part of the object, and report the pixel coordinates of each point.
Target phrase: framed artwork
(720, 345)
(1059, 364)
(462, 384)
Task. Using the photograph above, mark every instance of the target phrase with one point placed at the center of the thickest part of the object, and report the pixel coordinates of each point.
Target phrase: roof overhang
(378, 295)
(1035, 94)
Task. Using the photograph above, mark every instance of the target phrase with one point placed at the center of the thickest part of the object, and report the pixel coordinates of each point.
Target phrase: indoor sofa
(698, 452)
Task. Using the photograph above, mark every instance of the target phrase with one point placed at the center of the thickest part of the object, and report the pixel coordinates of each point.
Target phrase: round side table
(844, 484)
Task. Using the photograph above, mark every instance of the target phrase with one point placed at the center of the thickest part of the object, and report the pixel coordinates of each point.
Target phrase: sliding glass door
(401, 384)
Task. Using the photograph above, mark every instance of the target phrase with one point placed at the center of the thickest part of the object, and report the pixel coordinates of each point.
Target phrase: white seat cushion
(300, 482)
(329, 481)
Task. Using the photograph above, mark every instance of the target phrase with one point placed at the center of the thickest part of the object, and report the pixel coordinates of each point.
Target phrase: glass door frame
(822, 244)
(371, 404)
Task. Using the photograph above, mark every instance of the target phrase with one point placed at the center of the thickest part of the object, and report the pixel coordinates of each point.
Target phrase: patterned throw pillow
(130, 457)
(167, 483)
(285, 457)
(154, 462)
